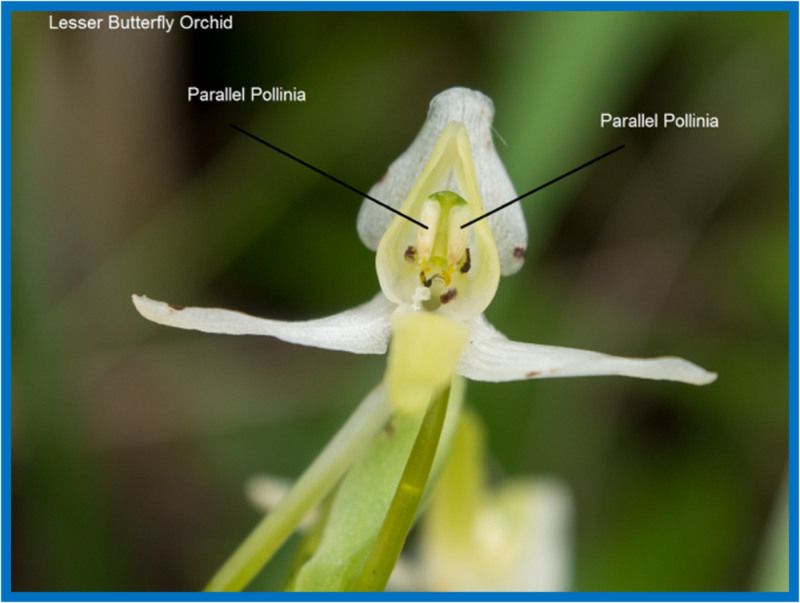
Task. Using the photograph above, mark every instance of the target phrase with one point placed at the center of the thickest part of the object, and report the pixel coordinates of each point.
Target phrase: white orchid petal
(365, 329)
(490, 356)
(475, 111)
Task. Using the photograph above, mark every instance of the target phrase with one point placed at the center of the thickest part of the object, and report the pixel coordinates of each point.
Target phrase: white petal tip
(154, 310)
(364, 329)
(492, 357)
(705, 378)
(671, 368)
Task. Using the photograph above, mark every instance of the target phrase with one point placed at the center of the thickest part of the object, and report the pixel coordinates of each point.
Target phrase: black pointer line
(504, 205)
(344, 184)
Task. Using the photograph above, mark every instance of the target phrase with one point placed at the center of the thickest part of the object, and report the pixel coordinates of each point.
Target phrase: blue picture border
(358, 5)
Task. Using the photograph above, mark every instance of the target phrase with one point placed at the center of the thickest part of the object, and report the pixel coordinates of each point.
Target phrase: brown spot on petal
(519, 252)
(389, 429)
(467, 263)
(533, 374)
(489, 144)
(411, 254)
(449, 296)
(176, 308)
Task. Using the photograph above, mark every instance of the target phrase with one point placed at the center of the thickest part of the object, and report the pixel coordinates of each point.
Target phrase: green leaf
(310, 489)
(407, 498)
(365, 495)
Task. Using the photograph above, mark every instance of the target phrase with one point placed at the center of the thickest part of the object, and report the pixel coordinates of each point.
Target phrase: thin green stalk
(310, 543)
(323, 474)
(772, 568)
(392, 537)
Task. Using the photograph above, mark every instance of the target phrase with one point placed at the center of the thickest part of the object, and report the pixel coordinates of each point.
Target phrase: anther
(426, 238)
(467, 263)
(457, 236)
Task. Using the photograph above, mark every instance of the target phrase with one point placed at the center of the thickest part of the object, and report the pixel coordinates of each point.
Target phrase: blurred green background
(132, 442)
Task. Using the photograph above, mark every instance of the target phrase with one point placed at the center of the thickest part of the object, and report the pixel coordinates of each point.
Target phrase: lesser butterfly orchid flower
(435, 284)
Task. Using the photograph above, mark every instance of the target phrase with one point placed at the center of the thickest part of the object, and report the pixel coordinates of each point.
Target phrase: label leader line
(538, 188)
(319, 171)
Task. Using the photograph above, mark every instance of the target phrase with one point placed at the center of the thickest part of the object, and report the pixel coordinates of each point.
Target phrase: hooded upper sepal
(403, 268)
(475, 111)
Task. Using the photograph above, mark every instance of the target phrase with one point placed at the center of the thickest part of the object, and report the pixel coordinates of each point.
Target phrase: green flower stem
(392, 537)
(773, 564)
(365, 494)
(309, 544)
(323, 474)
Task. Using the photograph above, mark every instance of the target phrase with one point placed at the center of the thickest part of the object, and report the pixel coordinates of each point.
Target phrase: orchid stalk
(390, 541)
(435, 283)
(363, 501)
(309, 491)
